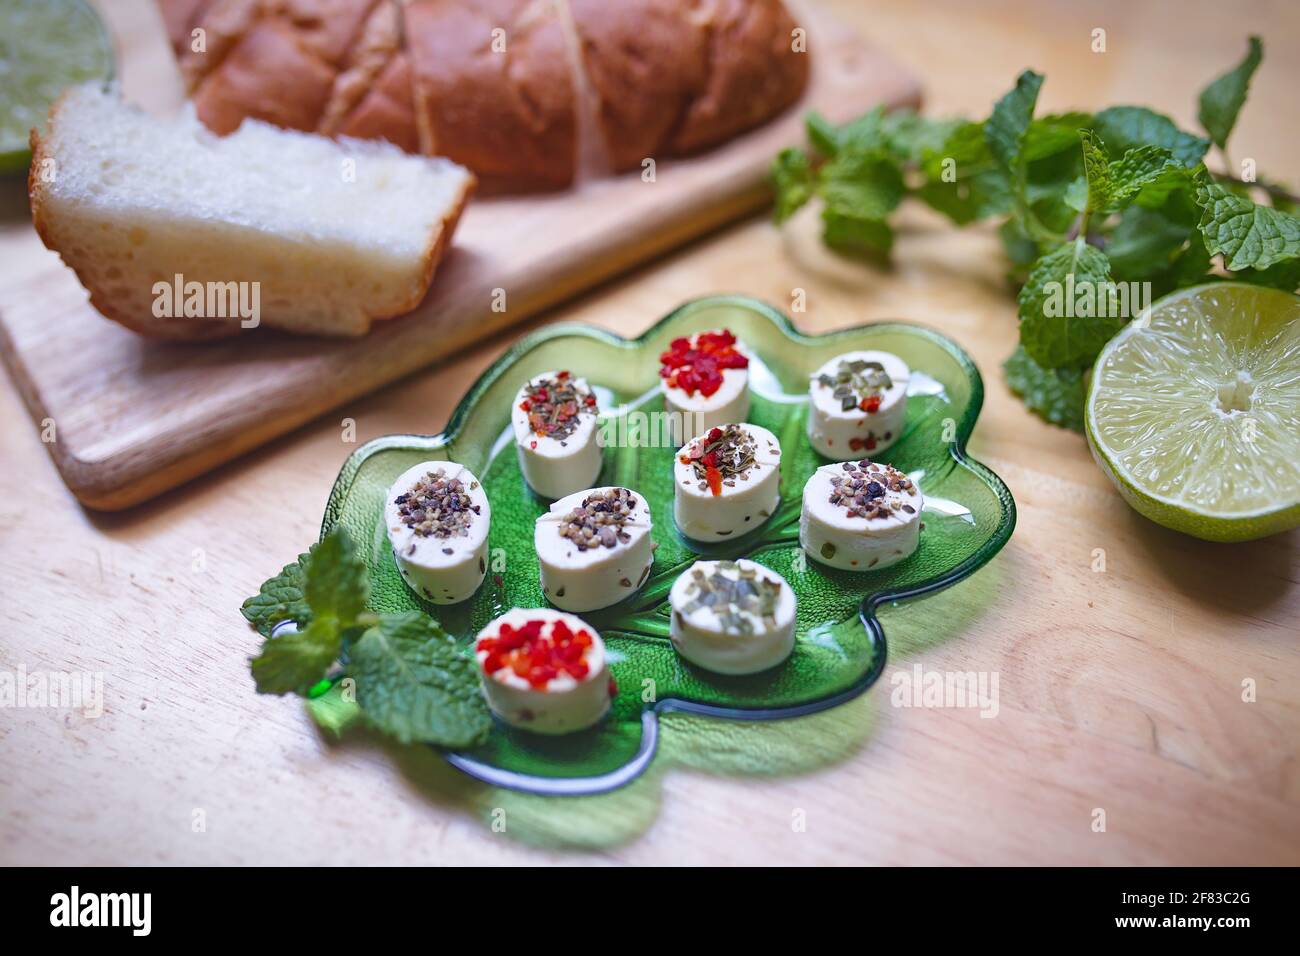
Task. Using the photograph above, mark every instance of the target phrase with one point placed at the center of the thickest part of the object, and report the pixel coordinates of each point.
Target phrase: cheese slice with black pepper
(860, 516)
(594, 548)
(437, 517)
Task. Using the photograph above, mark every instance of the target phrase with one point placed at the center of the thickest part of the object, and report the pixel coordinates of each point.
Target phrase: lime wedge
(1195, 413)
(45, 47)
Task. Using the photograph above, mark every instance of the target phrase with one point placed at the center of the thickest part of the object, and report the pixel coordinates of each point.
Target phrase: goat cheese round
(732, 617)
(594, 548)
(726, 481)
(437, 516)
(544, 670)
(705, 382)
(860, 516)
(857, 404)
(556, 434)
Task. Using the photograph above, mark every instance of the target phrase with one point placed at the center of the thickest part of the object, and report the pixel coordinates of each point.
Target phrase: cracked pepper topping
(731, 598)
(861, 489)
(599, 520)
(697, 363)
(437, 506)
(536, 656)
(857, 384)
(720, 457)
(555, 405)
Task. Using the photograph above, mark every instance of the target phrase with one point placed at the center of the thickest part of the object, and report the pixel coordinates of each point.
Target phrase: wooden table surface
(1119, 690)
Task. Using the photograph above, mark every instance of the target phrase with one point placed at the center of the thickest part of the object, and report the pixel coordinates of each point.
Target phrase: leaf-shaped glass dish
(840, 646)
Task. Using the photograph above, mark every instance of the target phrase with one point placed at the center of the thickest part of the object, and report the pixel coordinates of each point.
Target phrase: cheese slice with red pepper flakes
(726, 482)
(857, 404)
(556, 425)
(705, 382)
(544, 670)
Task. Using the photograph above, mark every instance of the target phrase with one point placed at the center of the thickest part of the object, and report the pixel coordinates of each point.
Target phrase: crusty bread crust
(754, 73)
(646, 61)
(134, 314)
(501, 105)
(651, 78)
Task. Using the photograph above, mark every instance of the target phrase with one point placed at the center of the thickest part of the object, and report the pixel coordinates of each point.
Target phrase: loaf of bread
(180, 233)
(528, 94)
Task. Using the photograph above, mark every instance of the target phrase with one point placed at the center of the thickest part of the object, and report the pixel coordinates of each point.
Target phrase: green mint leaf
(1128, 127)
(1067, 307)
(279, 599)
(911, 137)
(968, 200)
(967, 148)
(1247, 235)
(292, 663)
(1145, 243)
(336, 583)
(413, 682)
(1192, 264)
(1149, 171)
(1096, 172)
(1053, 394)
(854, 236)
(1056, 133)
(1006, 128)
(962, 180)
(822, 133)
(793, 182)
(1221, 101)
(1143, 167)
(1283, 275)
(862, 185)
(335, 710)
(1019, 246)
(334, 588)
(864, 134)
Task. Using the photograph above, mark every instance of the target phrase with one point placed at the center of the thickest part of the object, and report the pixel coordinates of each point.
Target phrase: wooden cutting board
(131, 418)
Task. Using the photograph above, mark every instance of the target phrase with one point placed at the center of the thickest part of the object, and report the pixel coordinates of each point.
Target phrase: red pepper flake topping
(554, 406)
(533, 654)
(720, 457)
(697, 363)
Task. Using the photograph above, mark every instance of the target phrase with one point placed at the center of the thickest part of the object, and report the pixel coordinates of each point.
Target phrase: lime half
(45, 47)
(1195, 414)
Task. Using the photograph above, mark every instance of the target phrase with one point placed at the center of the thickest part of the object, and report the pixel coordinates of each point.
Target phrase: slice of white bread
(334, 233)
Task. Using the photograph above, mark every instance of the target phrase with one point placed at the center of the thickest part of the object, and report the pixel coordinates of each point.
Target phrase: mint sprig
(415, 683)
(411, 680)
(1221, 101)
(1083, 201)
(1054, 394)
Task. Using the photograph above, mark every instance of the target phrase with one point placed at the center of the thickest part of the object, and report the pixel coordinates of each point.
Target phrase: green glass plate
(840, 646)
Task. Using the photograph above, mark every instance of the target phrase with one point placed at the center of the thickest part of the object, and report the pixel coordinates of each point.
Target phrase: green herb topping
(733, 593)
